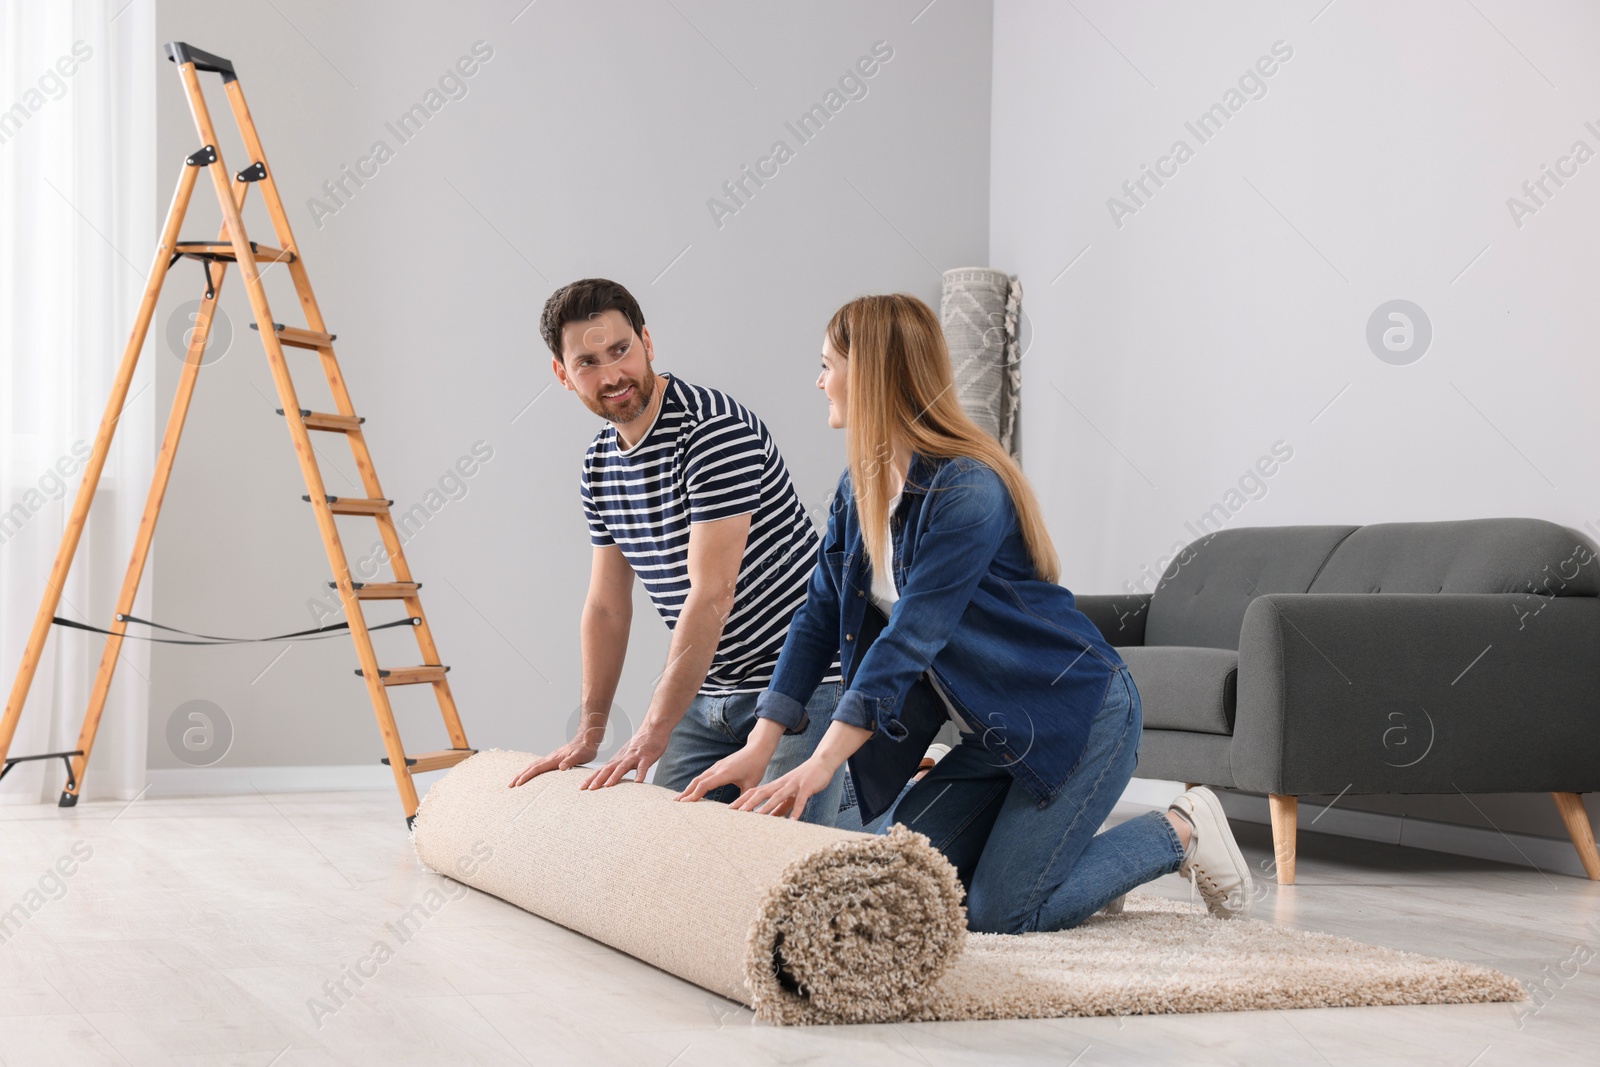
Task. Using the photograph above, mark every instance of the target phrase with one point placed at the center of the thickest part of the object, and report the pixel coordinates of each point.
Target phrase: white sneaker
(1212, 863)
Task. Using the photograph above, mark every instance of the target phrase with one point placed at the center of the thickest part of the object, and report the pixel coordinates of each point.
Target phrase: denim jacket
(1021, 664)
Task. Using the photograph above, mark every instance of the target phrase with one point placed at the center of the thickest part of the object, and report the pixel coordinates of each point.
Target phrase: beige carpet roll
(805, 924)
(808, 924)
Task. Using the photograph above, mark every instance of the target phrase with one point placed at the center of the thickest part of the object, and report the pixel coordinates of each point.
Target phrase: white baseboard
(221, 781)
(231, 781)
(1548, 854)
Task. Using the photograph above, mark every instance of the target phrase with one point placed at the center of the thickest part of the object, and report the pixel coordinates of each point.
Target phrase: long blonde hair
(900, 383)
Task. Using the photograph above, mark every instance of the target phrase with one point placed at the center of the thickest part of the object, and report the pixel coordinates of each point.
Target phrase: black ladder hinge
(253, 173)
(204, 157)
(362, 585)
(66, 758)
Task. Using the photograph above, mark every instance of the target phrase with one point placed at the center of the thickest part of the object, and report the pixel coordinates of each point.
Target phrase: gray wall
(588, 144)
(1229, 310)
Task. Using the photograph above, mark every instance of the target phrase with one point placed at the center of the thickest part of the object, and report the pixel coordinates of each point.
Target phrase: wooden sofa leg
(1576, 820)
(1284, 818)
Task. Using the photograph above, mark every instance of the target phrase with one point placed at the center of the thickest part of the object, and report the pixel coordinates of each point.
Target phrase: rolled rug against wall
(803, 923)
(980, 310)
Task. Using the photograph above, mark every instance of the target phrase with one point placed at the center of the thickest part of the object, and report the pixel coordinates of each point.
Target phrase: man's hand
(572, 754)
(638, 755)
(788, 795)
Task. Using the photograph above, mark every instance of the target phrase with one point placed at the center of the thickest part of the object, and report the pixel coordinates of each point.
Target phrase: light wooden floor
(198, 930)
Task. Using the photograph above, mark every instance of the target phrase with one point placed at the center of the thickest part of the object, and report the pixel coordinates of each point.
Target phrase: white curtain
(79, 220)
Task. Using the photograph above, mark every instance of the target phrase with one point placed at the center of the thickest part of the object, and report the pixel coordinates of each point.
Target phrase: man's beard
(633, 407)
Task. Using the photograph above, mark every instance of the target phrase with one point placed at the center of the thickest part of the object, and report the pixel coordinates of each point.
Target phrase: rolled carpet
(803, 923)
(979, 311)
(808, 924)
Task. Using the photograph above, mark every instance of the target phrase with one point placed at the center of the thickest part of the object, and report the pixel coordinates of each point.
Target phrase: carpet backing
(809, 924)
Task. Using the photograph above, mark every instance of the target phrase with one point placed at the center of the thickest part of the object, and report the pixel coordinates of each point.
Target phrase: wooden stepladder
(233, 245)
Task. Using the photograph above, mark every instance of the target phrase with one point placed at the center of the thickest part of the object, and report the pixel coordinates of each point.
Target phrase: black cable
(320, 633)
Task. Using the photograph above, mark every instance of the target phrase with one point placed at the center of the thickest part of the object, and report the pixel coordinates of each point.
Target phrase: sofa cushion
(1182, 688)
(1201, 598)
(1183, 756)
(1463, 556)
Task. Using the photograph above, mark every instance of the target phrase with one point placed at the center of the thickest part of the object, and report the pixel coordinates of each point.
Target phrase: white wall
(588, 144)
(1229, 312)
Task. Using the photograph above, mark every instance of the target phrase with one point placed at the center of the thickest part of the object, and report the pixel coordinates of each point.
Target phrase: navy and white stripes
(706, 457)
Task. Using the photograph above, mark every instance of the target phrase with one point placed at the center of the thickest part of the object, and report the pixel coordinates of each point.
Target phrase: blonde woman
(935, 526)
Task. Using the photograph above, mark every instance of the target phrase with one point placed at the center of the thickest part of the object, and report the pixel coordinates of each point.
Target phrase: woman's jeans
(1028, 867)
(850, 810)
(717, 726)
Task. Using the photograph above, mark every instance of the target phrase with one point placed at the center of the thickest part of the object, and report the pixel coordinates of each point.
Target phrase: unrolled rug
(808, 924)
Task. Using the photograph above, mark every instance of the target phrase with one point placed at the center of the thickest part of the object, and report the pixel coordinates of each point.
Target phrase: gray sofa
(1415, 657)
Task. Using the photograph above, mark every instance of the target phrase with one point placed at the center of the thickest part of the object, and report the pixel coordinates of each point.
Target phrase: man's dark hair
(582, 300)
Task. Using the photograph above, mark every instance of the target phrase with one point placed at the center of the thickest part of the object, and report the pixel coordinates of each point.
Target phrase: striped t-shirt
(707, 457)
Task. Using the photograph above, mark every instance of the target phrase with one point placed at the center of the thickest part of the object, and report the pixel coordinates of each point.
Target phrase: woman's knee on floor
(998, 913)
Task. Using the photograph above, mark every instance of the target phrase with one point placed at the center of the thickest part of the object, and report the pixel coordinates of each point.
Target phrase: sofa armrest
(1418, 693)
(1120, 618)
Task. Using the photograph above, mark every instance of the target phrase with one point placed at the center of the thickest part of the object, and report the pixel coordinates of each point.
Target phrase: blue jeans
(717, 726)
(850, 811)
(1030, 867)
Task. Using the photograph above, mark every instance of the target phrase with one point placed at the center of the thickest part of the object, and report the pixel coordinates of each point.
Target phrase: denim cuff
(782, 709)
(859, 710)
(1172, 835)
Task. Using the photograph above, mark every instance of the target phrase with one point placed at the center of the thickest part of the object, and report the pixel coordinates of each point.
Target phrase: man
(685, 488)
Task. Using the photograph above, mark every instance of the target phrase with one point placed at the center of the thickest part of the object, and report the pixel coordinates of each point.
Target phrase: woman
(935, 524)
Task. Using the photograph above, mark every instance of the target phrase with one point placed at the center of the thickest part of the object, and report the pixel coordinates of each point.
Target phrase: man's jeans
(1027, 867)
(717, 726)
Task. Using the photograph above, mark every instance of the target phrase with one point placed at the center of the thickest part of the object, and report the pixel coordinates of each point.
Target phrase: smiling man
(684, 488)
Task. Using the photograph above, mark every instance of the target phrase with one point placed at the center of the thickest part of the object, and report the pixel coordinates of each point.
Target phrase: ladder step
(223, 250)
(435, 761)
(382, 590)
(316, 420)
(355, 505)
(428, 672)
(295, 337)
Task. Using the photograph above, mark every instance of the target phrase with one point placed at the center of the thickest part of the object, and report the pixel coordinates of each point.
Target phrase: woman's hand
(788, 795)
(744, 768)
